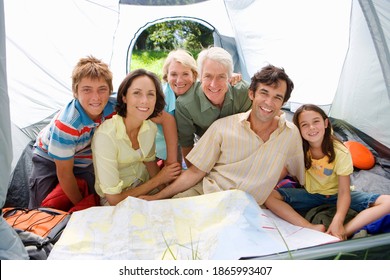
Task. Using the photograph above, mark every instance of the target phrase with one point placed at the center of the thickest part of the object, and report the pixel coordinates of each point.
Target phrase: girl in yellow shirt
(327, 181)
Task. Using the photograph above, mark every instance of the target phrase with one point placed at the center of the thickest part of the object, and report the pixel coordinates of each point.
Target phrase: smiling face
(180, 78)
(214, 81)
(267, 101)
(140, 98)
(93, 95)
(312, 127)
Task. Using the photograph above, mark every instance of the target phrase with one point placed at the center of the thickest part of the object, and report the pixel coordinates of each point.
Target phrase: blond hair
(182, 56)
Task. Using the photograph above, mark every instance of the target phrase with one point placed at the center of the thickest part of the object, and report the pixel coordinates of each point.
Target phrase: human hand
(337, 230)
(148, 197)
(170, 172)
(236, 77)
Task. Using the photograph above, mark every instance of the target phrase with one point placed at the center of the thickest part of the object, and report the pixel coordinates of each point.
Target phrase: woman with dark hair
(124, 147)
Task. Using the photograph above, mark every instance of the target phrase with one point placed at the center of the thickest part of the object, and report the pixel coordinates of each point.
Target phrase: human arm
(120, 169)
(152, 168)
(242, 102)
(209, 144)
(168, 123)
(336, 228)
(295, 160)
(185, 151)
(165, 175)
(186, 127)
(186, 180)
(283, 174)
(67, 180)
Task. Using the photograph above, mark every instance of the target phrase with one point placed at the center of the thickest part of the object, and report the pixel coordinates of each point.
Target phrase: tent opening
(180, 29)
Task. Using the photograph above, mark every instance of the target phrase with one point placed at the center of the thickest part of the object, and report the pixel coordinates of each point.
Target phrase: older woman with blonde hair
(179, 73)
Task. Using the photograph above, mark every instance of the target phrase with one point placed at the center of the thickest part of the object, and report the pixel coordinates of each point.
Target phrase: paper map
(220, 226)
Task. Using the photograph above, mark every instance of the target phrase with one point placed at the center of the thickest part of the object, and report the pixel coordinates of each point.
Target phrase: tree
(198, 36)
(175, 34)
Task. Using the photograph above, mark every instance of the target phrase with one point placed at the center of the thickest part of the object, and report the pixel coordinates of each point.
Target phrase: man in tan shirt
(248, 151)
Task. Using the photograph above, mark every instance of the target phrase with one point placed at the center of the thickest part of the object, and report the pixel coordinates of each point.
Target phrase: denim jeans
(301, 200)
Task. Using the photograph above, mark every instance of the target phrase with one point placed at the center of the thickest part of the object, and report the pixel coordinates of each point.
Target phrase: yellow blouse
(117, 165)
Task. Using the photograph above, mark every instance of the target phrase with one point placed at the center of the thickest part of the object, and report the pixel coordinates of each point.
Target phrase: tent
(337, 53)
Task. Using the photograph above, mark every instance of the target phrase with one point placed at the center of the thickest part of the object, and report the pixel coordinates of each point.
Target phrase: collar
(108, 112)
(121, 128)
(205, 104)
(85, 119)
(109, 109)
(243, 118)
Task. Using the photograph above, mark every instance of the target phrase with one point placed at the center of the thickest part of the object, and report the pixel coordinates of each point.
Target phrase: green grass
(194, 251)
(152, 60)
(149, 60)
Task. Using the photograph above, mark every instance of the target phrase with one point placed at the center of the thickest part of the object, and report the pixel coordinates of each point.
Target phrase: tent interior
(336, 52)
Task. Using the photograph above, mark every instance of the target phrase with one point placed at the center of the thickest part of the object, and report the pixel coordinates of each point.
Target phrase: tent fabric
(376, 179)
(363, 94)
(18, 188)
(11, 246)
(335, 51)
(320, 46)
(309, 44)
(5, 123)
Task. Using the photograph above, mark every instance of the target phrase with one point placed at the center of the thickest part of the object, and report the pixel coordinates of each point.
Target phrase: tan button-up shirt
(235, 157)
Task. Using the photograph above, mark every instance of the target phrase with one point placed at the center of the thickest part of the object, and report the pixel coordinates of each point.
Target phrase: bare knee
(384, 200)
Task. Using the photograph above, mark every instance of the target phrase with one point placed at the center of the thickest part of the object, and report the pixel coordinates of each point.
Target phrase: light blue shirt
(170, 100)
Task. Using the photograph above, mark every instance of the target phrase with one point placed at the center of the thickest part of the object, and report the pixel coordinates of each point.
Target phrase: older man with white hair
(211, 99)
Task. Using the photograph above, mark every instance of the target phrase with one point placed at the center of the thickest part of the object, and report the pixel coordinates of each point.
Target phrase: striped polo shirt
(69, 134)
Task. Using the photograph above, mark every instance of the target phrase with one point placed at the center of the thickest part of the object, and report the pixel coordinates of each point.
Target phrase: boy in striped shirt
(62, 151)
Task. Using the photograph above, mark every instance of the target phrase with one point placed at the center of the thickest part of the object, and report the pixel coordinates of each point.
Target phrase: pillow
(362, 157)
